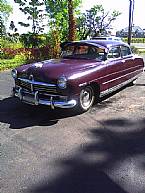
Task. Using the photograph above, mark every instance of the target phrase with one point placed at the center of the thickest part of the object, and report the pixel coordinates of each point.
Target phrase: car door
(131, 63)
(115, 68)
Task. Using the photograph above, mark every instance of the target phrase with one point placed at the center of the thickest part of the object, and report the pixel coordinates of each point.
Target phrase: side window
(68, 50)
(125, 51)
(114, 52)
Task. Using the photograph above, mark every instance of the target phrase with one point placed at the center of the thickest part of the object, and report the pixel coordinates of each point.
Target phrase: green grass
(12, 63)
(9, 63)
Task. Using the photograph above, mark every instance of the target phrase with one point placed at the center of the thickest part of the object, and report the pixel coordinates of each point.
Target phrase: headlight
(62, 82)
(14, 73)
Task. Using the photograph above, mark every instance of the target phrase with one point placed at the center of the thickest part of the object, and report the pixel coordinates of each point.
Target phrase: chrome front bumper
(33, 99)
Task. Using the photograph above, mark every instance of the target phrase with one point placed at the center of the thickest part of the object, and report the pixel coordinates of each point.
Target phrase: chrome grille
(24, 85)
(37, 86)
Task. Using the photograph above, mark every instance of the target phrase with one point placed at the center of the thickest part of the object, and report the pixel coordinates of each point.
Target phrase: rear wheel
(86, 99)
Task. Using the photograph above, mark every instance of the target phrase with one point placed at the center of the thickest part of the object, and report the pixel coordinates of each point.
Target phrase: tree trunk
(71, 22)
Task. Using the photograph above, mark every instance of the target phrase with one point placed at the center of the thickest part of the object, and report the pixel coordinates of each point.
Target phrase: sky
(123, 7)
(109, 5)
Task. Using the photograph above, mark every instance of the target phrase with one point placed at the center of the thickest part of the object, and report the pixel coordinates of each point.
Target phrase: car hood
(53, 69)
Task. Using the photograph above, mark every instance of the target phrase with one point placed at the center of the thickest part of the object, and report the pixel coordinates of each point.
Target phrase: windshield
(83, 52)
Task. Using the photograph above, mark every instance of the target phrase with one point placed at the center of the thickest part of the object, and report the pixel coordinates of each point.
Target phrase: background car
(87, 70)
(107, 38)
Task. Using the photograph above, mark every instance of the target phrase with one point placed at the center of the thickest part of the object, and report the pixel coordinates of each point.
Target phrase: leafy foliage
(135, 40)
(54, 42)
(5, 10)
(2, 27)
(34, 10)
(8, 64)
(13, 27)
(9, 42)
(30, 54)
(59, 16)
(30, 40)
(12, 63)
(135, 50)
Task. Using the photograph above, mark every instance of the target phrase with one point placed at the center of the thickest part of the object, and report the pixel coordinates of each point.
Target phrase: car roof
(105, 43)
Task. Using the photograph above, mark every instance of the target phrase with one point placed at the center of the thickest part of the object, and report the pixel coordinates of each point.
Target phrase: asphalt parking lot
(57, 151)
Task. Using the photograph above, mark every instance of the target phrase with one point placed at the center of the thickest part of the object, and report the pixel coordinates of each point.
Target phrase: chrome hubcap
(86, 97)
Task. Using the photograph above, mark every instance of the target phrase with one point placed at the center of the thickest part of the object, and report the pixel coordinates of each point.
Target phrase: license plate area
(30, 98)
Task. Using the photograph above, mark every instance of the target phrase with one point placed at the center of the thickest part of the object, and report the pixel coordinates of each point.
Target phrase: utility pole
(131, 9)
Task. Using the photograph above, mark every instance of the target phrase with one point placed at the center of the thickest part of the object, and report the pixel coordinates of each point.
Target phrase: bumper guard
(33, 99)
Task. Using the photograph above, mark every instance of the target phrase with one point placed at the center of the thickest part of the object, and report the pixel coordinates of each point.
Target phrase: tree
(13, 35)
(12, 27)
(34, 10)
(2, 27)
(61, 14)
(5, 10)
(58, 17)
(71, 22)
(83, 28)
(95, 21)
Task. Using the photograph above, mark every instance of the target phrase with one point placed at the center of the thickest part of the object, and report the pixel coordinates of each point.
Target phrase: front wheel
(86, 99)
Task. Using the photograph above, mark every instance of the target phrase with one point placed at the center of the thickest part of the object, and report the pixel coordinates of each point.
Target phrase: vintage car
(86, 70)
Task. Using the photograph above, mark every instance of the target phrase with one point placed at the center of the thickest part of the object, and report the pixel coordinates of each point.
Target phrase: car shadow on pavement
(20, 115)
(113, 144)
(139, 84)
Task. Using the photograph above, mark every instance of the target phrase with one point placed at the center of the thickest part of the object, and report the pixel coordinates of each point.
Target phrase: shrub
(31, 54)
(135, 50)
(12, 63)
(135, 40)
(54, 39)
(8, 43)
(31, 40)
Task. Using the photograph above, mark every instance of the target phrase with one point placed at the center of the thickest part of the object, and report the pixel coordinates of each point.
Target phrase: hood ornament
(31, 77)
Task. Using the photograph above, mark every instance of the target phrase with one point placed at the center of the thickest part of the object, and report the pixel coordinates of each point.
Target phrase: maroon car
(87, 70)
